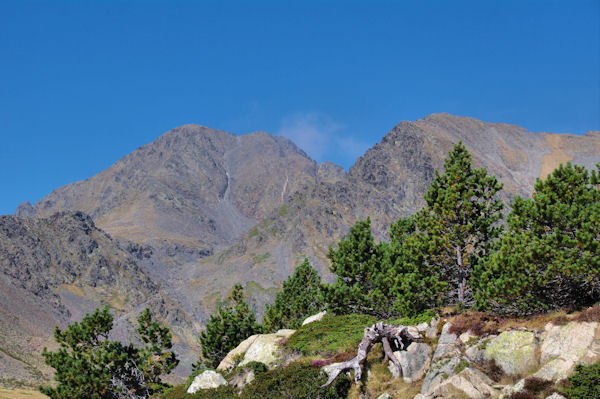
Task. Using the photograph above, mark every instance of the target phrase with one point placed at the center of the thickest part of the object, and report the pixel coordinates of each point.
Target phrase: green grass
(332, 334)
(424, 317)
(261, 258)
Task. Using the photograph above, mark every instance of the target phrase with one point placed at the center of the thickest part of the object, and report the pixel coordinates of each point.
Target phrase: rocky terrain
(53, 271)
(447, 357)
(182, 219)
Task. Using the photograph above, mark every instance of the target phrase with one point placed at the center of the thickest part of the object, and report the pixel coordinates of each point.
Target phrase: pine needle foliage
(231, 325)
(89, 365)
(550, 256)
(299, 298)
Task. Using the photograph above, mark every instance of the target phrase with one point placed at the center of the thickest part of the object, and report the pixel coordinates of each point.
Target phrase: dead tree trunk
(401, 336)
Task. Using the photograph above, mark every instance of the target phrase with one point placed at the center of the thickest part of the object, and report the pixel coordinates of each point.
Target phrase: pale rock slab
(470, 382)
(238, 351)
(447, 344)
(264, 348)
(206, 380)
(315, 317)
(439, 371)
(573, 337)
(566, 346)
(415, 362)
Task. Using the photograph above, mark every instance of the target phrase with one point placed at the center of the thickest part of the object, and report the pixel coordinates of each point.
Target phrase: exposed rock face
(208, 379)
(264, 348)
(514, 351)
(314, 318)
(194, 187)
(415, 362)
(229, 360)
(564, 347)
(52, 272)
(470, 383)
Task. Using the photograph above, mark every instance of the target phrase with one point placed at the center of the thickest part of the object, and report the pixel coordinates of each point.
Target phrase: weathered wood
(402, 336)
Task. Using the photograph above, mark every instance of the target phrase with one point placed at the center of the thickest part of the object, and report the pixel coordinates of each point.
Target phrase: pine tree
(550, 256)
(460, 219)
(360, 284)
(299, 298)
(156, 358)
(230, 326)
(89, 365)
(415, 283)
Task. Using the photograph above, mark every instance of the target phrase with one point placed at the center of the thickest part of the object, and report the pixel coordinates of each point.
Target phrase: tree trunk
(461, 275)
(402, 336)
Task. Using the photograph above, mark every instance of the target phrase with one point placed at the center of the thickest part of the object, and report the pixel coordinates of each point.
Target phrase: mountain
(198, 210)
(54, 270)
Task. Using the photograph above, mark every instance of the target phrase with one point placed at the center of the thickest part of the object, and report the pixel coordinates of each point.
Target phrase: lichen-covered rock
(438, 372)
(470, 382)
(509, 390)
(514, 351)
(206, 380)
(239, 351)
(566, 346)
(315, 317)
(264, 348)
(415, 362)
(573, 337)
(385, 396)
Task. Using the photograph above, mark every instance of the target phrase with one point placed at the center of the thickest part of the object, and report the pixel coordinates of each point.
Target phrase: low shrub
(534, 384)
(424, 317)
(331, 334)
(476, 323)
(589, 315)
(585, 382)
(298, 380)
(491, 369)
(523, 395)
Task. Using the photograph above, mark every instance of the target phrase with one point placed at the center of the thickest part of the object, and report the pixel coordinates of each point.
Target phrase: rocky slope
(200, 209)
(54, 270)
(387, 182)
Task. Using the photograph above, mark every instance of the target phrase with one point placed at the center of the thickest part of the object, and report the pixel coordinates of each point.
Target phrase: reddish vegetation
(589, 315)
(491, 369)
(476, 323)
(535, 384)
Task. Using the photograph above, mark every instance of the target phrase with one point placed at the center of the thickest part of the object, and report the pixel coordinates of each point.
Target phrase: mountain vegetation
(90, 366)
(227, 328)
(177, 223)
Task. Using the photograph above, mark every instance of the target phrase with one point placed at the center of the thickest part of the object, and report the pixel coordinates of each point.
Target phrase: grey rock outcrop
(470, 383)
(415, 362)
(564, 347)
(208, 379)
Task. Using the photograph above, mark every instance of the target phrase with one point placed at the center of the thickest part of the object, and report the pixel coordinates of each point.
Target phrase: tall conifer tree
(460, 219)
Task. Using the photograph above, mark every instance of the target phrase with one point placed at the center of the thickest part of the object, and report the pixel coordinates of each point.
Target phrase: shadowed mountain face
(199, 210)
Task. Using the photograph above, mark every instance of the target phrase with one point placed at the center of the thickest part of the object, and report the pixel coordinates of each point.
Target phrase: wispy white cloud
(314, 133)
(351, 147)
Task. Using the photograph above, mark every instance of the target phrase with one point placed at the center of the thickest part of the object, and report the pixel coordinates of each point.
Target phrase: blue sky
(83, 83)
